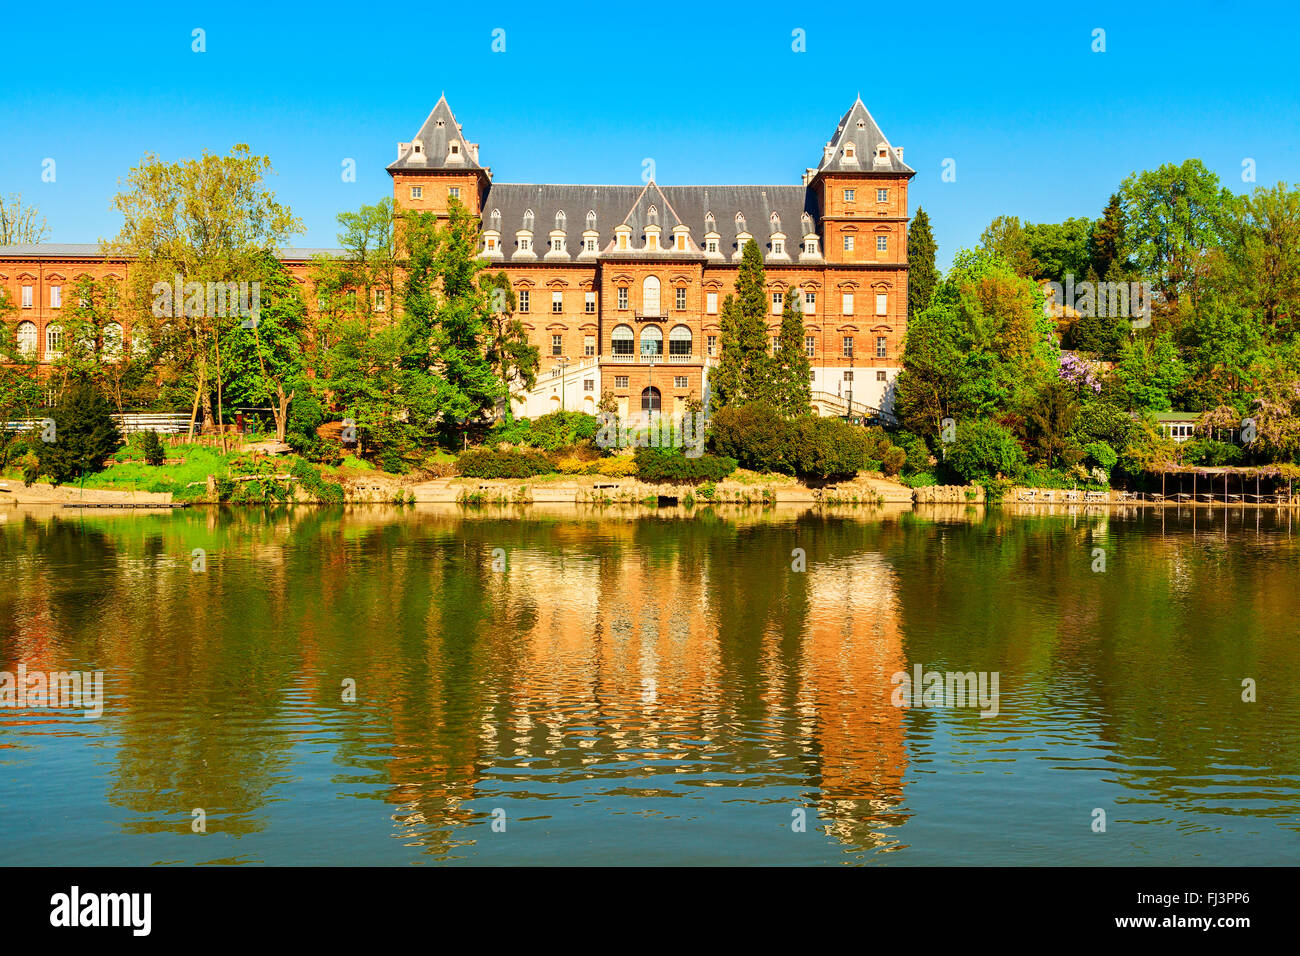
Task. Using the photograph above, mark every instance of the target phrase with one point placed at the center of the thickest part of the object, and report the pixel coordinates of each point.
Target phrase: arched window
(53, 341)
(775, 221)
(561, 221)
(740, 222)
(27, 338)
(652, 216)
(679, 340)
(652, 340)
(528, 220)
(113, 340)
(710, 224)
(650, 295)
(622, 340)
(591, 219)
(650, 400)
(494, 220)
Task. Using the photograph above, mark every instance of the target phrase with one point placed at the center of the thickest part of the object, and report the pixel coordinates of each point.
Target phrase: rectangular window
(417, 192)
(882, 376)
(848, 375)
(557, 301)
(681, 298)
(848, 243)
(620, 381)
(881, 349)
(622, 297)
(524, 300)
(27, 297)
(810, 302)
(848, 346)
(713, 245)
(711, 303)
(809, 346)
(882, 303)
(778, 302)
(589, 345)
(557, 345)
(882, 243)
(846, 301)
(380, 300)
(850, 195)
(713, 344)
(778, 247)
(588, 384)
(776, 345)
(679, 381)
(453, 192)
(56, 296)
(882, 195)
(591, 245)
(589, 302)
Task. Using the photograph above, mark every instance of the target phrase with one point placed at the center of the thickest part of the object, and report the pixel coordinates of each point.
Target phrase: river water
(384, 685)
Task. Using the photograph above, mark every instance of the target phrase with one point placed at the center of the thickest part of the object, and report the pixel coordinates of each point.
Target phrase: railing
(164, 424)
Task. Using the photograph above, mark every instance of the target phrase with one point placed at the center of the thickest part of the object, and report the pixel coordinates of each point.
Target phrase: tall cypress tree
(922, 276)
(1106, 244)
(792, 393)
(745, 367)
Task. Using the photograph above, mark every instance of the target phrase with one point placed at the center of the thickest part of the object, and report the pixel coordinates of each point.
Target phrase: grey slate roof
(439, 131)
(859, 128)
(673, 205)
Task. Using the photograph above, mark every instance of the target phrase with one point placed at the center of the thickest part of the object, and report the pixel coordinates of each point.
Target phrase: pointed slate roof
(860, 129)
(439, 131)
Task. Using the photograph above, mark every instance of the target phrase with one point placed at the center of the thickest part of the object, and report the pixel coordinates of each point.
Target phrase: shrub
(983, 450)
(829, 448)
(84, 437)
(1207, 451)
(549, 432)
(1100, 454)
(622, 466)
(493, 463)
(669, 465)
(151, 449)
(310, 480)
(755, 435)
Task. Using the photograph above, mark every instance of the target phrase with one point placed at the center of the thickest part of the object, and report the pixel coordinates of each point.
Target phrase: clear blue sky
(1038, 124)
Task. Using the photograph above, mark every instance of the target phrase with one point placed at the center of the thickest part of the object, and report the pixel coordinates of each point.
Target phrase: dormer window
(652, 216)
(591, 220)
(810, 246)
(778, 247)
(711, 245)
(850, 153)
(710, 224)
(680, 245)
(528, 220)
(561, 221)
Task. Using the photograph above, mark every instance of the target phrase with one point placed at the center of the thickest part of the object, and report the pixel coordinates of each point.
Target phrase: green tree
(791, 389)
(1005, 239)
(514, 358)
(84, 436)
(980, 347)
(1060, 249)
(1172, 215)
(922, 275)
(1150, 372)
(264, 359)
(1106, 241)
(20, 223)
(1048, 423)
(984, 450)
(744, 369)
(446, 321)
(210, 219)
